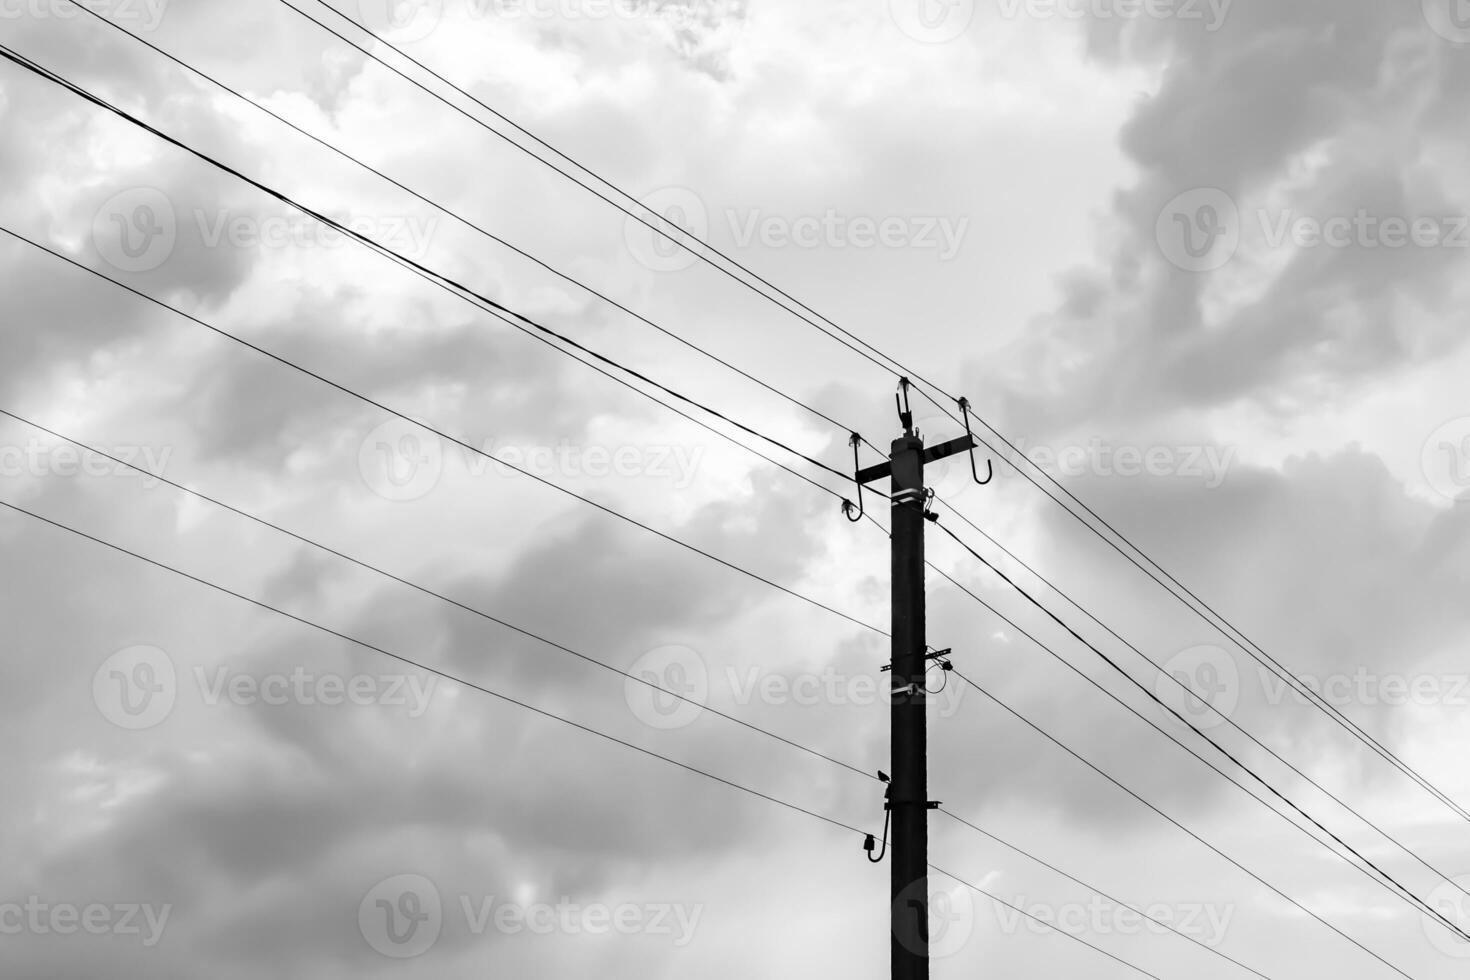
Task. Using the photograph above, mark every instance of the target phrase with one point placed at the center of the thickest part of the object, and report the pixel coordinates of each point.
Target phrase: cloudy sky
(1202, 261)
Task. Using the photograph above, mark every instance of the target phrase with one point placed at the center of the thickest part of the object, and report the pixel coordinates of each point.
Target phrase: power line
(659, 229)
(531, 634)
(453, 678)
(422, 666)
(1051, 926)
(654, 227)
(1191, 693)
(1100, 893)
(447, 283)
(1095, 768)
(480, 229)
(445, 436)
(1251, 648)
(87, 447)
(1391, 883)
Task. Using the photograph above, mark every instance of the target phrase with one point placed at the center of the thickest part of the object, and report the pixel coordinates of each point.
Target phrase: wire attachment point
(989, 464)
(848, 506)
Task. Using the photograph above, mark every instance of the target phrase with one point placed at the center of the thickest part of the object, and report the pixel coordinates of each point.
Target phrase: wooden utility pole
(908, 801)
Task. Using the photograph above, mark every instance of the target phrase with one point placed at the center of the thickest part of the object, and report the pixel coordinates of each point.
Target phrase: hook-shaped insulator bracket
(847, 505)
(989, 464)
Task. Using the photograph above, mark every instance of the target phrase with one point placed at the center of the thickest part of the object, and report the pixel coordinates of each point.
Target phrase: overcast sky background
(1205, 261)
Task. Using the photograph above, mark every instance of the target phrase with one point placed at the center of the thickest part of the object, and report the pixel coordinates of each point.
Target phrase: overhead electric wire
(480, 229)
(1050, 925)
(1394, 886)
(444, 435)
(1275, 664)
(897, 368)
(593, 354)
(160, 477)
(465, 607)
(472, 685)
(451, 285)
(420, 665)
(1191, 693)
(1100, 893)
(1241, 867)
(654, 227)
(1248, 646)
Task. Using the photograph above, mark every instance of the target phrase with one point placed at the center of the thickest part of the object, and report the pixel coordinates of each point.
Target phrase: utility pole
(908, 800)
